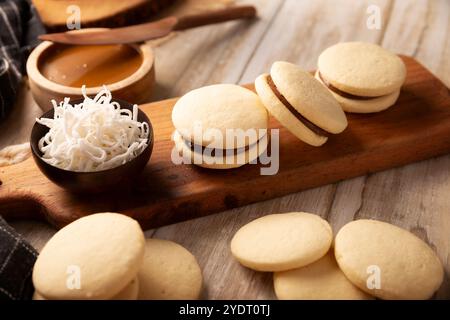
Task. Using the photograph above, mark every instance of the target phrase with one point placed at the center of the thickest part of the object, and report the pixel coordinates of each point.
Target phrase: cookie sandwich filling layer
(311, 126)
(343, 93)
(219, 151)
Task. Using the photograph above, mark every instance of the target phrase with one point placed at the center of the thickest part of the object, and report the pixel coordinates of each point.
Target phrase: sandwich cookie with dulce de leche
(220, 126)
(300, 103)
(363, 77)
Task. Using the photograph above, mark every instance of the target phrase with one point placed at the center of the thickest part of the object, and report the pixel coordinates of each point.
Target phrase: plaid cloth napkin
(17, 259)
(19, 28)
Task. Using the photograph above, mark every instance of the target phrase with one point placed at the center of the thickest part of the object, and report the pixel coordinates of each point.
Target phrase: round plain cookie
(300, 103)
(321, 280)
(218, 108)
(130, 292)
(169, 271)
(210, 161)
(103, 250)
(279, 242)
(362, 69)
(366, 105)
(37, 296)
(408, 267)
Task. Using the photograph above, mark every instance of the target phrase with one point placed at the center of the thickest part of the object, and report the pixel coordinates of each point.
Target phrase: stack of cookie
(221, 126)
(105, 256)
(354, 77)
(300, 103)
(362, 77)
(369, 258)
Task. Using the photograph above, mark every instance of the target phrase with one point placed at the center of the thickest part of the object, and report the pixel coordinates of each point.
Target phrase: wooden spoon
(151, 30)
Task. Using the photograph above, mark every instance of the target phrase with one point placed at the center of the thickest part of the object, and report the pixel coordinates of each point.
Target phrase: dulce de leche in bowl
(57, 71)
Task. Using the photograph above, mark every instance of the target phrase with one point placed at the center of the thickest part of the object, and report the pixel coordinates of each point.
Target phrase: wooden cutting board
(105, 13)
(416, 128)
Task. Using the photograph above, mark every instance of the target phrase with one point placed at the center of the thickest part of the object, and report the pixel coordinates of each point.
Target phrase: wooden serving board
(105, 13)
(416, 128)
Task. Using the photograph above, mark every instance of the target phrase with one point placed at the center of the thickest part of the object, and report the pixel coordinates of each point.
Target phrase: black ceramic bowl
(98, 181)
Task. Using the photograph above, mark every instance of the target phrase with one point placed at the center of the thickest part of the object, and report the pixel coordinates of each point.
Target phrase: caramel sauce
(92, 65)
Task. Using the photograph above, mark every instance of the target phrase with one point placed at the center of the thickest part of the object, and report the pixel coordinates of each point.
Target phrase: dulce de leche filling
(232, 152)
(93, 65)
(311, 126)
(342, 93)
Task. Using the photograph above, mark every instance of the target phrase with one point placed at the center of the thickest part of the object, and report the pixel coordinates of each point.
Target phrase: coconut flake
(93, 135)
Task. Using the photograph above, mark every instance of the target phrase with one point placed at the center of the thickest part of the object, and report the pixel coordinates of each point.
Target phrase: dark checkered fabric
(19, 28)
(17, 258)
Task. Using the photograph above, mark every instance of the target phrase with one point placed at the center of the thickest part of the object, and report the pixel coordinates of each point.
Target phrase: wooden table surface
(415, 197)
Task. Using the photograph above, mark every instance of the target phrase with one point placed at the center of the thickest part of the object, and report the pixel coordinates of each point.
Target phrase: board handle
(17, 199)
(212, 17)
(20, 206)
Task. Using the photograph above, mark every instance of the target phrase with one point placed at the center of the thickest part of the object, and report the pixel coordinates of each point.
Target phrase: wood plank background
(415, 197)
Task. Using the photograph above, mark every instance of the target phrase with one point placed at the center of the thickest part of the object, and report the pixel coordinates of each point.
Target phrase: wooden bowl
(97, 181)
(137, 87)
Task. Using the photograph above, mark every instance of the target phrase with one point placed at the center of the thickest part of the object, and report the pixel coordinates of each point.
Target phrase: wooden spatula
(151, 30)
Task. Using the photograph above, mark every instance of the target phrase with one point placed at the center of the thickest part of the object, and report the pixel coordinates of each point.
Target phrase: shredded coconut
(92, 136)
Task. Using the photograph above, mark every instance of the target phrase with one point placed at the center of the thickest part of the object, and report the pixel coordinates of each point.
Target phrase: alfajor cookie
(279, 242)
(321, 280)
(363, 77)
(220, 126)
(94, 257)
(300, 103)
(386, 261)
(169, 271)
